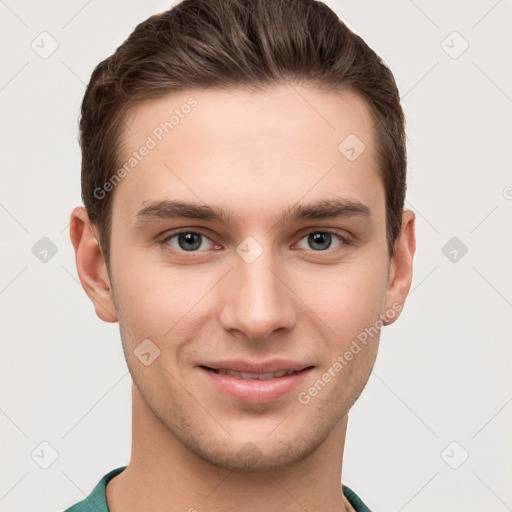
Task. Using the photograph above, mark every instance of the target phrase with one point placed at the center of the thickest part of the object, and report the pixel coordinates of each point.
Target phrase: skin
(254, 154)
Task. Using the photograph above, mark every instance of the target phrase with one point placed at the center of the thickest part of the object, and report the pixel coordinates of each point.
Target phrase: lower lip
(254, 390)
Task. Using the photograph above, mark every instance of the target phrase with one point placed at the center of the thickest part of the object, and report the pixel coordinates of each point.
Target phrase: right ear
(90, 264)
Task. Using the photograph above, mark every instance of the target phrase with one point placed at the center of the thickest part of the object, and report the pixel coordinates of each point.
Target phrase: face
(246, 242)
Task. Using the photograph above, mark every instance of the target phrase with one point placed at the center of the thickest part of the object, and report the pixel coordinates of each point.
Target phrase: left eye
(321, 240)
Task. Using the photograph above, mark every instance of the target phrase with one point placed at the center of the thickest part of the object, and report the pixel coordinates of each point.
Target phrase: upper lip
(273, 365)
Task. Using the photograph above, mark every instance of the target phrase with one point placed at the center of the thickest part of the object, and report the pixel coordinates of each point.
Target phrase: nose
(257, 299)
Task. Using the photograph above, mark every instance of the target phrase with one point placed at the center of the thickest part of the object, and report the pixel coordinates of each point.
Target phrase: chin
(257, 456)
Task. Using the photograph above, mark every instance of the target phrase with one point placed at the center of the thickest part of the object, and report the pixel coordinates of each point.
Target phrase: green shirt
(97, 502)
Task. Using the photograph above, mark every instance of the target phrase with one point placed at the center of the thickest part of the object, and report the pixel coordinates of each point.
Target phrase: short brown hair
(236, 44)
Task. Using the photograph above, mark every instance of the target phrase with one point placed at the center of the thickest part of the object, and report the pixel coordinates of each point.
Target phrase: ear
(400, 271)
(90, 264)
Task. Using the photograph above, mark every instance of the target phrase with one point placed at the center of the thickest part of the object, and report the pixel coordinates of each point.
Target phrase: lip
(240, 365)
(256, 391)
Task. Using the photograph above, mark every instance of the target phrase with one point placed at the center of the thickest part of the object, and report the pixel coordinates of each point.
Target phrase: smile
(248, 376)
(254, 387)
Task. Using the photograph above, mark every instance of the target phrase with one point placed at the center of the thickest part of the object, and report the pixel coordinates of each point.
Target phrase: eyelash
(164, 242)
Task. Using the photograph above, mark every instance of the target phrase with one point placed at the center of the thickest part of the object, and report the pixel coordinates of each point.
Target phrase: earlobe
(401, 265)
(90, 264)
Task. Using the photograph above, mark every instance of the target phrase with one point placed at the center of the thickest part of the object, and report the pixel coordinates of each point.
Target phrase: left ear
(400, 271)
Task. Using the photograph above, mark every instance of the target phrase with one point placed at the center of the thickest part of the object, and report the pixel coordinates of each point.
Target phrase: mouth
(255, 387)
(254, 376)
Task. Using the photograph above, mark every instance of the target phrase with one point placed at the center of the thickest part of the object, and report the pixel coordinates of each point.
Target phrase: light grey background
(443, 370)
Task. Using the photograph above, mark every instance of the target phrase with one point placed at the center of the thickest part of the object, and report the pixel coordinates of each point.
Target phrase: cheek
(139, 295)
(167, 305)
(351, 307)
(352, 297)
(153, 307)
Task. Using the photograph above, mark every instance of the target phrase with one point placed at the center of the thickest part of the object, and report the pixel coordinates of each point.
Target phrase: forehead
(248, 150)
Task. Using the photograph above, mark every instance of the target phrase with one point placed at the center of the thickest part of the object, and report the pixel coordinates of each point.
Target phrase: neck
(163, 474)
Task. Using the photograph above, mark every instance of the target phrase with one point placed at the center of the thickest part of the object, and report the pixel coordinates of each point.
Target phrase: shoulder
(96, 501)
(354, 500)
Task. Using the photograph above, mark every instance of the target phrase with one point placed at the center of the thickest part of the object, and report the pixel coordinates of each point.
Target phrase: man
(243, 177)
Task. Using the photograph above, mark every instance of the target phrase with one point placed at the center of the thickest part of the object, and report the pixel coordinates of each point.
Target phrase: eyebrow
(324, 209)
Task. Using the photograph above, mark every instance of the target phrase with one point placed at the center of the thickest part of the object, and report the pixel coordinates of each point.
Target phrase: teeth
(246, 375)
(259, 376)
